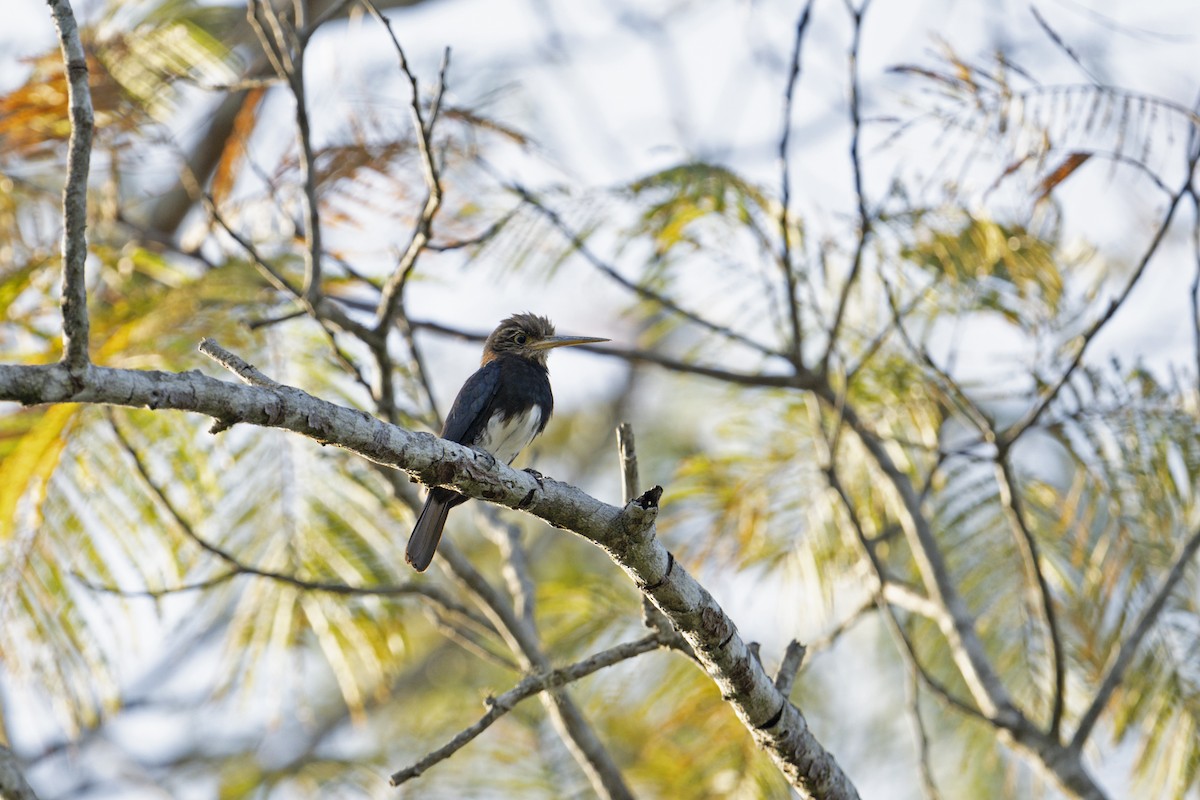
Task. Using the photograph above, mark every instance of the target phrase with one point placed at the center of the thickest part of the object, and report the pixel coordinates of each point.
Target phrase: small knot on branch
(649, 499)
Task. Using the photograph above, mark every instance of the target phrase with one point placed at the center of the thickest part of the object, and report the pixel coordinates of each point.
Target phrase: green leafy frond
(1004, 267)
(1112, 532)
(682, 196)
(1030, 121)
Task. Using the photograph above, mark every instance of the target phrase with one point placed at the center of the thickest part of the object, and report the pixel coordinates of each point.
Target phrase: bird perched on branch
(499, 410)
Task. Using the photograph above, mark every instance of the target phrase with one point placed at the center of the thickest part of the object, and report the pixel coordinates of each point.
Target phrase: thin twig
(393, 290)
(1013, 507)
(765, 380)
(1013, 432)
(864, 218)
(789, 666)
(958, 627)
(908, 652)
(1013, 504)
(578, 734)
(79, 153)
(928, 784)
(248, 373)
(627, 451)
(541, 682)
(156, 594)
(580, 246)
(486, 235)
(418, 588)
(308, 172)
(273, 276)
(785, 193)
(269, 44)
(1062, 45)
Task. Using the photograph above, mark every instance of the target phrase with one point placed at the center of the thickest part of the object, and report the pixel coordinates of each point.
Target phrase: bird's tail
(428, 530)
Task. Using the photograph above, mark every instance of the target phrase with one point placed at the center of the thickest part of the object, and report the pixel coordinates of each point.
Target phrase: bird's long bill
(565, 341)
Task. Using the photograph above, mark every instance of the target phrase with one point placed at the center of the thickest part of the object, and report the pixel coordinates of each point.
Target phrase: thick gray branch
(626, 534)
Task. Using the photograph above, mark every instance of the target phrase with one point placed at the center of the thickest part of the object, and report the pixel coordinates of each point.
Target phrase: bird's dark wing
(469, 413)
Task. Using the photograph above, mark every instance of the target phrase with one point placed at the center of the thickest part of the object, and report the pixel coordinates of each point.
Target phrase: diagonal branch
(308, 172)
(541, 682)
(626, 534)
(1013, 506)
(79, 153)
(958, 624)
(580, 246)
(1010, 499)
(1014, 431)
(1129, 647)
(578, 734)
(431, 592)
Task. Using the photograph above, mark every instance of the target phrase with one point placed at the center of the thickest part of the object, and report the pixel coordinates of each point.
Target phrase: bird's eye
(520, 338)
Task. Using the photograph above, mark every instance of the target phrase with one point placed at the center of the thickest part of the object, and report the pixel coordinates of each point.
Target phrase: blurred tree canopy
(885, 352)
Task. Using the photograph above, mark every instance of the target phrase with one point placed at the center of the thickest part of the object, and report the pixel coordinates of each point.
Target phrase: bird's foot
(537, 476)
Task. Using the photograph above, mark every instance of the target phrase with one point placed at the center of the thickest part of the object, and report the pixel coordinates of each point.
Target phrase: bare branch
(581, 739)
(627, 451)
(308, 171)
(864, 218)
(1063, 46)
(785, 193)
(247, 372)
(626, 534)
(885, 596)
(803, 380)
(544, 681)
(793, 658)
(581, 247)
(1014, 431)
(393, 290)
(1013, 506)
(958, 625)
(1129, 647)
(1010, 499)
(652, 617)
(273, 276)
(156, 594)
(914, 712)
(79, 153)
(418, 588)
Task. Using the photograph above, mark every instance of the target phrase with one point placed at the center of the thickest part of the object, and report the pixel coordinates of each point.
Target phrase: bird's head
(528, 336)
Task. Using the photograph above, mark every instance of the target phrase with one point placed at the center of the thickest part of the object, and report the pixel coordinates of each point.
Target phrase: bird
(500, 409)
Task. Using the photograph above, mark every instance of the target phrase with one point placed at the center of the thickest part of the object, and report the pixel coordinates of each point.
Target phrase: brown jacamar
(499, 410)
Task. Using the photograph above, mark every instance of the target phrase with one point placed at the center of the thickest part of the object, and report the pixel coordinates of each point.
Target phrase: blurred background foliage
(138, 656)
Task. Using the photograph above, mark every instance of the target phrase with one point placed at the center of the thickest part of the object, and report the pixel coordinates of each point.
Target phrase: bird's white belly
(505, 439)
